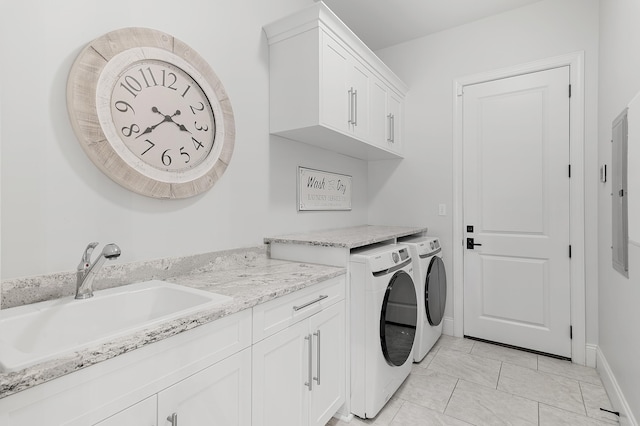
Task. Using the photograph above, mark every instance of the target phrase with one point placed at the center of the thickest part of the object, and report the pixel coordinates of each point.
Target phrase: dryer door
(435, 291)
(398, 319)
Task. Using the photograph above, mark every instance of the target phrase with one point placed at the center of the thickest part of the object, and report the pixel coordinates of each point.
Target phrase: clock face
(162, 115)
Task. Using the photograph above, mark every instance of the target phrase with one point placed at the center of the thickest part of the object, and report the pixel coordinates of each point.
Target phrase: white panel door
(217, 395)
(359, 81)
(335, 95)
(281, 367)
(378, 114)
(516, 197)
(144, 413)
(327, 329)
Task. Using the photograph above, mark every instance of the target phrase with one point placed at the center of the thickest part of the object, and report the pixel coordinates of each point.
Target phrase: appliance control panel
(389, 257)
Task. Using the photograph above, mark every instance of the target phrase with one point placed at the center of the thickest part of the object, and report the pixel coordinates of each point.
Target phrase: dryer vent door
(435, 291)
(398, 319)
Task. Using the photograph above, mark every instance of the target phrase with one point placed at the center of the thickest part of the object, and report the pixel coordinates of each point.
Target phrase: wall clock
(151, 113)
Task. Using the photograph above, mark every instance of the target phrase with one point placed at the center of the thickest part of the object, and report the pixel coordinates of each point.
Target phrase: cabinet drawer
(278, 314)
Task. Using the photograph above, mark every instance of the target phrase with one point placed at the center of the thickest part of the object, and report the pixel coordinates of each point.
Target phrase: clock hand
(166, 119)
(180, 126)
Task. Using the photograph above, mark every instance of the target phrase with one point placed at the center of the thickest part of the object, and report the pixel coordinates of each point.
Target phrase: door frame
(575, 61)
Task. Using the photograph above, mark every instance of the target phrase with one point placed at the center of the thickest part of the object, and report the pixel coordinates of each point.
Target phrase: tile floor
(464, 382)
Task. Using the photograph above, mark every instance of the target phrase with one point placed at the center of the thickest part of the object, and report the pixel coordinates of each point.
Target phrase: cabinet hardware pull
(321, 297)
(317, 379)
(355, 104)
(393, 128)
(309, 383)
(173, 418)
(350, 106)
(389, 130)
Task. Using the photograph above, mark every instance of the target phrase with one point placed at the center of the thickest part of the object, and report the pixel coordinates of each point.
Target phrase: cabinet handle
(355, 105)
(388, 127)
(350, 106)
(317, 379)
(309, 383)
(173, 418)
(393, 128)
(321, 297)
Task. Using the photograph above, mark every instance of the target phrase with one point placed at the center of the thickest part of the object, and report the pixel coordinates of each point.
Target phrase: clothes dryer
(431, 285)
(384, 315)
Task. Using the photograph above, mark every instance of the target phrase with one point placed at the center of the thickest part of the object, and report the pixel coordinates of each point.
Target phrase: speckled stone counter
(350, 238)
(247, 275)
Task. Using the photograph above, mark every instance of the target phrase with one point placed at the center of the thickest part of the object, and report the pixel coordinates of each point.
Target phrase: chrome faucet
(87, 271)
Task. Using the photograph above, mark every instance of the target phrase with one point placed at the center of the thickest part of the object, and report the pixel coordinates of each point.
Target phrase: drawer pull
(317, 379)
(173, 418)
(297, 308)
(309, 382)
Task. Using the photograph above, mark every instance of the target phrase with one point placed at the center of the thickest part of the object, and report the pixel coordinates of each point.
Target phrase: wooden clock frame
(104, 58)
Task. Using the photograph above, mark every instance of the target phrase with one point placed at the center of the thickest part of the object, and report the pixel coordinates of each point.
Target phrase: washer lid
(435, 291)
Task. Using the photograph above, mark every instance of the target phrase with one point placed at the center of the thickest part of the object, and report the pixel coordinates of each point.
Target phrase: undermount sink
(38, 332)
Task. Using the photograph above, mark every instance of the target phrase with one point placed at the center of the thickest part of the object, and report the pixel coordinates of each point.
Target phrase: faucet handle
(86, 256)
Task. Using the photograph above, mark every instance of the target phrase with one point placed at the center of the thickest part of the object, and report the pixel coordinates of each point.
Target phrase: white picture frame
(323, 191)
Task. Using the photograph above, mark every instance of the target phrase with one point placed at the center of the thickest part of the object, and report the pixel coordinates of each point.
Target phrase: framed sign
(318, 190)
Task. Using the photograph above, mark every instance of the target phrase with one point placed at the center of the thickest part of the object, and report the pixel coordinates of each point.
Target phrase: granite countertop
(350, 238)
(249, 284)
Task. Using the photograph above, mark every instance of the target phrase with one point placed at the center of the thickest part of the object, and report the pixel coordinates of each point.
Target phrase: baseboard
(613, 390)
(447, 326)
(591, 355)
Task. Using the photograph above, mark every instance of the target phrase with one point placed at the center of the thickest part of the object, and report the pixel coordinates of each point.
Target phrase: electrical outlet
(442, 210)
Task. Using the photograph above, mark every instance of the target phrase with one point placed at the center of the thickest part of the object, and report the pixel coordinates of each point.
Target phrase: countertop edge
(14, 382)
(315, 238)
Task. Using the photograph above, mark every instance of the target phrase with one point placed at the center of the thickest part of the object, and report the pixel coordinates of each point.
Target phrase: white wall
(619, 314)
(429, 66)
(55, 201)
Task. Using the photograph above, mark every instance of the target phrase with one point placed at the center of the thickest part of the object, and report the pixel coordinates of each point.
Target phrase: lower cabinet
(299, 372)
(289, 369)
(142, 413)
(217, 395)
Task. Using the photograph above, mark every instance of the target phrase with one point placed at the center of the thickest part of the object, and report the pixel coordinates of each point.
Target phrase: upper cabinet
(328, 89)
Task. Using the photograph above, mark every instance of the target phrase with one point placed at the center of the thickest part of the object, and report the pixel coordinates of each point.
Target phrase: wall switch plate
(442, 210)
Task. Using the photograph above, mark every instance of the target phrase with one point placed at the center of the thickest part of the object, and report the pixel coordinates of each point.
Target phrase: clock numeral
(185, 153)
(199, 108)
(123, 106)
(128, 131)
(166, 160)
(186, 90)
(197, 145)
(203, 128)
(171, 76)
(151, 146)
(146, 81)
(131, 85)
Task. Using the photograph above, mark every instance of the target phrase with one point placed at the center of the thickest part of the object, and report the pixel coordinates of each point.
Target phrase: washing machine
(384, 314)
(431, 284)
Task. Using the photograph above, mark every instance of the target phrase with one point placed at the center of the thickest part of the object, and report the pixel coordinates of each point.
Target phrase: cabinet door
(378, 114)
(358, 81)
(217, 395)
(280, 370)
(329, 372)
(395, 110)
(143, 413)
(335, 96)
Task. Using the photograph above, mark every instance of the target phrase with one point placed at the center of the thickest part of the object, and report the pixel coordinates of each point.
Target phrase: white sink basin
(35, 333)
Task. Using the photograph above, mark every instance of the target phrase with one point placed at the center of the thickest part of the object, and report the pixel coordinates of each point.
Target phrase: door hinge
(569, 251)
(569, 90)
(570, 332)
(569, 170)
